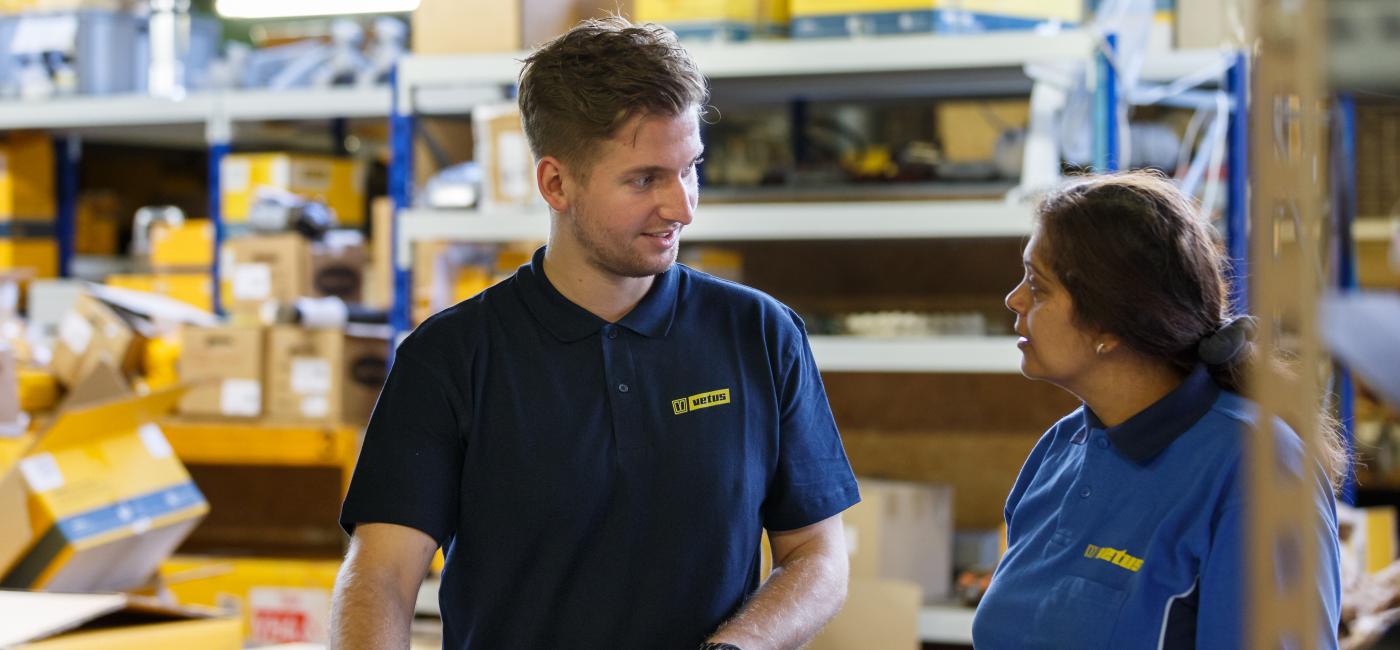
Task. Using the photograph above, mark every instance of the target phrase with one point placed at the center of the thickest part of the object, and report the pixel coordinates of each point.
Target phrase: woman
(1124, 527)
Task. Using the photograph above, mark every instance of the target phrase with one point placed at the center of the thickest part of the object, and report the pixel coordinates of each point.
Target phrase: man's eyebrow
(653, 169)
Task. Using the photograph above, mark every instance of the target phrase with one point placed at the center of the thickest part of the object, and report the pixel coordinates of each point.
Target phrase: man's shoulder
(457, 325)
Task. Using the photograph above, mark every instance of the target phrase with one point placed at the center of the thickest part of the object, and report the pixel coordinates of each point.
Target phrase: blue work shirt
(595, 484)
(1134, 536)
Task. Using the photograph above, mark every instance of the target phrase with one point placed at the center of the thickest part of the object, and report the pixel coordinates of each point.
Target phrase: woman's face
(1054, 348)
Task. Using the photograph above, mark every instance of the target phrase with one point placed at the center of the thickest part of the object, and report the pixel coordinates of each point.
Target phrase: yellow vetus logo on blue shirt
(700, 401)
(1114, 556)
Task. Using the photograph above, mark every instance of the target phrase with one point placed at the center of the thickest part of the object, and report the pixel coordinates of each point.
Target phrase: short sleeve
(813, 479)
(409, 470)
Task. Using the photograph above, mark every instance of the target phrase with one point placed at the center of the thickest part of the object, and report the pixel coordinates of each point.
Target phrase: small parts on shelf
(912, 324)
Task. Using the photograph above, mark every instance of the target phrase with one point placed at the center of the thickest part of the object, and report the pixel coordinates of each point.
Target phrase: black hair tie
(1225, 344)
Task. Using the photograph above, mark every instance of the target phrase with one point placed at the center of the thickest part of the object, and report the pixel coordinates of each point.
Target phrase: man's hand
(378, 586)
(807, 588)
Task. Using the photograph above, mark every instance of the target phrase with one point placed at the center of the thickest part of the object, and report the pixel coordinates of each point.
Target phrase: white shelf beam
(238, 106)
(753, 222)
(912, 53)
(951, 354)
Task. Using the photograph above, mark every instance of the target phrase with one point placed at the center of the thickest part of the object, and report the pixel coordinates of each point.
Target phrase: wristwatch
(719, 646)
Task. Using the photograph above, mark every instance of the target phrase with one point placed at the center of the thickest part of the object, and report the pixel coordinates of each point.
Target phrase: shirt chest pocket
(1078, 613)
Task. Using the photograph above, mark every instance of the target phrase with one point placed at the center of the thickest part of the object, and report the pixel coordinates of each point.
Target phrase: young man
(599, 441)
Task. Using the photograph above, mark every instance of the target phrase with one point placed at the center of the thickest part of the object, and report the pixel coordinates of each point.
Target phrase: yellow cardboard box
(337, 182)
(39, 255)
(280, 600)
(107, 500)
(187, 246)
(194, 289)
(687, 16)
(39, 621)
(27, 177)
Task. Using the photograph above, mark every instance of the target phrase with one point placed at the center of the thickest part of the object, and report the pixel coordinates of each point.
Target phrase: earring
(1099, 349)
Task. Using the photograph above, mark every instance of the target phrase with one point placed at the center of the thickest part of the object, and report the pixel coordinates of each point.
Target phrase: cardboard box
(338, 266)
(98, 227)
(903, 531)
(224, 367)
(94, 332)
(969, 130)
(468, 26)
(37, 254)
(324, 376)
(265, 268)
(189, 246)
(27, 177)
(337, 182)
(365, 368)
(304, 374)
(379, 278)
(193, 289)
(880, 614)
(109, 622)
(107, 500)
(832, 18)
(279, 600)
(508, 167)
(1368, 537)
(734, 20)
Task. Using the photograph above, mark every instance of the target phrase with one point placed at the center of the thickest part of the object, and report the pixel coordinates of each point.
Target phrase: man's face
(640, 192)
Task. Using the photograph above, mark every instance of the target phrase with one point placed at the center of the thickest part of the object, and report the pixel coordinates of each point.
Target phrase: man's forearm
(793, 605)
(369, 611)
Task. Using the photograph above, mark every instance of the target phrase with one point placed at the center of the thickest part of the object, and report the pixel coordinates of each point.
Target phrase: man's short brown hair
(577, 90)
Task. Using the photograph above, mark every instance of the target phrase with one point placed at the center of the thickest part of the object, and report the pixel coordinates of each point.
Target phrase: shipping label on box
(288, 615)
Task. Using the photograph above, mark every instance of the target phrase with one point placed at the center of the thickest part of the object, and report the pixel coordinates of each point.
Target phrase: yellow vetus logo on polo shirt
(1114, 556)
(700, 401)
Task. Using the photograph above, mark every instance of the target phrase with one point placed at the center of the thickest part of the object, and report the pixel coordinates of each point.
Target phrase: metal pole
(400, 188)
(1237, 210)
(67, 156)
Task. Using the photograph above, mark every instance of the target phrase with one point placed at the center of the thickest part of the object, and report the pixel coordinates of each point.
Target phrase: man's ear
(550, 178)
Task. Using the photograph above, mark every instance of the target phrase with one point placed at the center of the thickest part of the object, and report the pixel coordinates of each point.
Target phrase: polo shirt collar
(569, 322)
(1147, 434)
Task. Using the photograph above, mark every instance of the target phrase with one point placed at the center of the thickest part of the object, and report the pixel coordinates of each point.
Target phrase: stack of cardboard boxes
(180, 260)
(282, 374)
(27, 207)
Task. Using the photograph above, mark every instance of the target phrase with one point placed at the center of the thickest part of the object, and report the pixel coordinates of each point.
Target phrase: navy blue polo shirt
(594, 484)
(1133, 536)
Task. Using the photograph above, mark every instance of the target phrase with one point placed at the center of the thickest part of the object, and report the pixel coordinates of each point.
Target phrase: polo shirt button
(1084, 492)
(622, 388)
(612, 333)
(1102, 443)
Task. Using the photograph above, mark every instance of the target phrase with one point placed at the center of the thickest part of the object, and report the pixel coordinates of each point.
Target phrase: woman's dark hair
(1141, 262)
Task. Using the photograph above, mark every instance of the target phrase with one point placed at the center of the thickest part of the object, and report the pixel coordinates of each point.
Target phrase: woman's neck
(1125, 387)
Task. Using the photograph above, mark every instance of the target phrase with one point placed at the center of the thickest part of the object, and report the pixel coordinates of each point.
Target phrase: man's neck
(1125, 388)
(605, 295)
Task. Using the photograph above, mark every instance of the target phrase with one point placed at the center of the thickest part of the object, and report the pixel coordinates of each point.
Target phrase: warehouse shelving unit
(922, 65)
